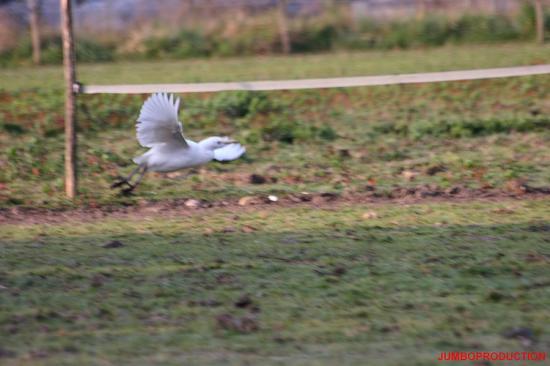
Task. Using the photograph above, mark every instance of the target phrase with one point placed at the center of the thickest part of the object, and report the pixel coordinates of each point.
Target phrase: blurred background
(175, 29)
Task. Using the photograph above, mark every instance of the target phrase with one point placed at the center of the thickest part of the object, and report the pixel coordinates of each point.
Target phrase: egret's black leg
(131, 187)
(119, 182)
(122, 181)
(140, 176)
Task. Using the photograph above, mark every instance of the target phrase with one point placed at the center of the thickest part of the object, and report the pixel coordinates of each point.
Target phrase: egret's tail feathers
(229, 152)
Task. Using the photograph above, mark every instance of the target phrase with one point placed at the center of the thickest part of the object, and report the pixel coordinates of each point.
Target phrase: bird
(159, 129)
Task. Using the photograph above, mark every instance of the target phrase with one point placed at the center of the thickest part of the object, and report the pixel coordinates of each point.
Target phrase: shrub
(458, 128)
(327, 133)
(52, 52)
(255, 39)
(12, 128)
(287, 131)
(185, 44)
(90, 51)
(476, 29)
(315, 38)
(240, 104)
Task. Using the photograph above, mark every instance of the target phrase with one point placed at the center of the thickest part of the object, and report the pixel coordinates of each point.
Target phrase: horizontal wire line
(297, 84)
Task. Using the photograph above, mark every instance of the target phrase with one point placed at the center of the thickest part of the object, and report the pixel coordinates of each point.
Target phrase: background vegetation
(314, 34)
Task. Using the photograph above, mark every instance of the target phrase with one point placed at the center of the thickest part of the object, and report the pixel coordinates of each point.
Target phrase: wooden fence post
(539, 16)
(283, 26)
(69, 59)
(34, 24)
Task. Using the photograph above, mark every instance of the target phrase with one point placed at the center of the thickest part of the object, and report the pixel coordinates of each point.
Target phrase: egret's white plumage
(158, 122)
(159, 129)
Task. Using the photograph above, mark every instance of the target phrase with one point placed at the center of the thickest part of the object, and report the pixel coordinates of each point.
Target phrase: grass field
(479, 135)
(411, 219)
(278, 286)
(282, 67)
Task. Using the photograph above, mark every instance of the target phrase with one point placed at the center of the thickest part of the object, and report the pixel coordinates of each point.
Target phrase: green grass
(329, 285)
(475, 134)
(281, 67)
(258, 34)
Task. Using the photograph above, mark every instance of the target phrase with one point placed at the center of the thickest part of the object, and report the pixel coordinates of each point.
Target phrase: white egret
(159, 129)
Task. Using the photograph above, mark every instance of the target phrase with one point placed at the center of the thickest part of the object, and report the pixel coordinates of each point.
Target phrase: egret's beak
(230, 141)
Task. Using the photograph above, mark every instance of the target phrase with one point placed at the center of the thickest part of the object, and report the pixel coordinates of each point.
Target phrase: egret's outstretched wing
(158, 121)
(229, 152)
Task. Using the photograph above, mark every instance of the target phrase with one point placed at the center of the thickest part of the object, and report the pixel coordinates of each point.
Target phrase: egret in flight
(159, 129)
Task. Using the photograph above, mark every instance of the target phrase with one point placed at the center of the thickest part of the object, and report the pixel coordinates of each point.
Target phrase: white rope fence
(342, 82)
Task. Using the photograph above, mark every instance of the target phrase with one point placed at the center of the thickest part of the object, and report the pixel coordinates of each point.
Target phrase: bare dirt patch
(178, 207)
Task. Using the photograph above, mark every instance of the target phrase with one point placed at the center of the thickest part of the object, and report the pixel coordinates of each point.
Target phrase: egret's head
(216, 142)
